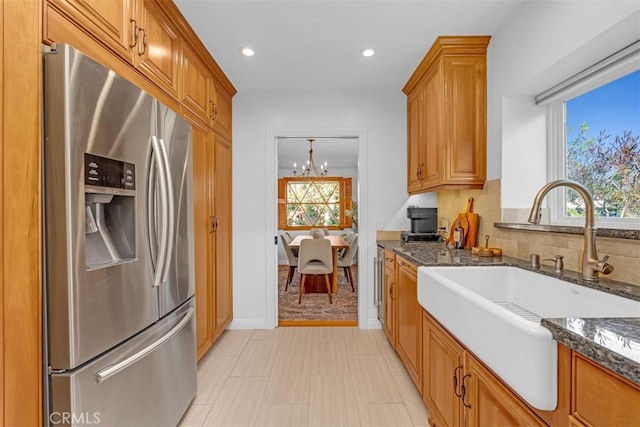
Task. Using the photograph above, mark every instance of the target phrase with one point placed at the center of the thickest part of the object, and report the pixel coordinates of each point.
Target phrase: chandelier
(310, 166)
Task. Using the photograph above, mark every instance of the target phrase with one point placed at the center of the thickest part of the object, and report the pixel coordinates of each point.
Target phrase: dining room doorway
(318, 189)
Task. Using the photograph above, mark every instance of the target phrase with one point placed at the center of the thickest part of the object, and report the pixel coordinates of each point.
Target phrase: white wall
(543, 44)
(381, 114)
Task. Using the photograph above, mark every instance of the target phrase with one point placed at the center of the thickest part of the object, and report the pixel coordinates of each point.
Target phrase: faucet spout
(591, 265)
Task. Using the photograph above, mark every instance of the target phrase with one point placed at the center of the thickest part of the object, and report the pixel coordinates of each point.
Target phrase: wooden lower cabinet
(212, 236)
(458, 390)
(442, 362)
(489, 402)
(600, 397)
(408, 319)
(389, 299)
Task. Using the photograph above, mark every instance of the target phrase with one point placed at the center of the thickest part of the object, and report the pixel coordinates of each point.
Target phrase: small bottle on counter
(458, 236)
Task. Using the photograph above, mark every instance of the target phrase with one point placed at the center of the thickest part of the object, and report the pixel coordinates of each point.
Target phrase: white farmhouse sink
(495, 312)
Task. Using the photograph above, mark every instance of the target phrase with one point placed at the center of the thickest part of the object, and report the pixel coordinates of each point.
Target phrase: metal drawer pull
(455, 381)
(463, 390)
(113, 369)
(136, 29)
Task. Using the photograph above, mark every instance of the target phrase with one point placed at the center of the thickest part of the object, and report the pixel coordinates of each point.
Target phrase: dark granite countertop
(614, 343)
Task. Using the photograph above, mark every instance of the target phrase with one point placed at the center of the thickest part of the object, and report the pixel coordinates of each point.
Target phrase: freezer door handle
(162, 178)
(170, 209)
(114, 368)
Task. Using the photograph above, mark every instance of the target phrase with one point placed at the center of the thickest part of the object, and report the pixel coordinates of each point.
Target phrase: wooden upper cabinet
(465, 120)
(222, 110)
(447, 127)
(158, 47)
(415, 162)
(195, 86)
(432, 145)
(109, 21)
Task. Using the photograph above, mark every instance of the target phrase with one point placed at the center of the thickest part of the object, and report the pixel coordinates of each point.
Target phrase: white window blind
(610, 68)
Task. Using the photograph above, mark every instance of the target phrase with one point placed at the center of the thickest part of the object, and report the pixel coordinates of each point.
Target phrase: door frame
(365, 287)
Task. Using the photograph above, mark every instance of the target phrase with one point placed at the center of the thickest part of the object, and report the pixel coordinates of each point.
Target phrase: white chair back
(292, 259)
(316, 251)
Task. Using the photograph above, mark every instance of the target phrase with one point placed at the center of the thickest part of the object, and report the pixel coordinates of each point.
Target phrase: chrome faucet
(591, 265)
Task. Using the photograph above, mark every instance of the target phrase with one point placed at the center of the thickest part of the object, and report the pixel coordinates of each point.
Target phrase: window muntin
(305, 203)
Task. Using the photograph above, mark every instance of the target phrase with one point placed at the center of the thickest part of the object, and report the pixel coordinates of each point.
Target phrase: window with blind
(304, 203)
(594, 124)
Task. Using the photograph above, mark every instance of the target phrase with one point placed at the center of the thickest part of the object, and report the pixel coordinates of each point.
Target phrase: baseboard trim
(248, 324)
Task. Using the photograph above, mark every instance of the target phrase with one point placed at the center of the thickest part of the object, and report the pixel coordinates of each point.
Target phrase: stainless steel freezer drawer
(148, 380)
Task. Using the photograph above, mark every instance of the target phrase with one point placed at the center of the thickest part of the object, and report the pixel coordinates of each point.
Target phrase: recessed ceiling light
(367, 52)
(247, 51)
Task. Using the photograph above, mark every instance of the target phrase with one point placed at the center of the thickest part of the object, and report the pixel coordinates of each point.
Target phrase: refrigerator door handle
(152, 211)
(376, 280)
(170, 210)
(162, 251)
(114, 368)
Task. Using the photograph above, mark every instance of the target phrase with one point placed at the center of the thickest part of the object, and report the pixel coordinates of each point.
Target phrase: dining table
(337, 243)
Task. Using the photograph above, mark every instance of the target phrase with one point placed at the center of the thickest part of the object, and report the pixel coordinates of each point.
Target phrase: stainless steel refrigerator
(119, 312)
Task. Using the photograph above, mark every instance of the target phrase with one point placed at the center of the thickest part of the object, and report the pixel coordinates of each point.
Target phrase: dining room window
(305, 203)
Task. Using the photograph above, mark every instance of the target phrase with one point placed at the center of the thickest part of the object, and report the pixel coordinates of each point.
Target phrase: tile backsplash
(625, 253)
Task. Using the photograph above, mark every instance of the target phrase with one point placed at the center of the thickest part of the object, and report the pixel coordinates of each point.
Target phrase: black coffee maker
(424, 224)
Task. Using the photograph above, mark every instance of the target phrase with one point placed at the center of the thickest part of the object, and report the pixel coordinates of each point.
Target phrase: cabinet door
(415, 102)
(222, 111)
(489, 403)
(600, 397)
(389, 302)
(108, 21)
(465, 119)
(409, 318)
(223, 233)
(194, 88)
(203, 235)
(443, 361)
(157, 52)
(432, 147)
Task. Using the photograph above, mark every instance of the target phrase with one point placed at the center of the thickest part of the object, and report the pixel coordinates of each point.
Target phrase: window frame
(555, 98)
(346, 202)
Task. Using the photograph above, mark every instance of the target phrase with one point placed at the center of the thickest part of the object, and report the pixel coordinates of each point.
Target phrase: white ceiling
(316, 44)
(339, 153)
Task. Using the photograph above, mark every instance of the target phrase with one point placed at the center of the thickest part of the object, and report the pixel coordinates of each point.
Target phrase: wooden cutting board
(464, 223)
(473, 220)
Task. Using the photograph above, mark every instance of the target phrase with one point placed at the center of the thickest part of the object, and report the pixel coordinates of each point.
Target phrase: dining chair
(346, 260)
(317, 233)
(315, 258)
(292, 259)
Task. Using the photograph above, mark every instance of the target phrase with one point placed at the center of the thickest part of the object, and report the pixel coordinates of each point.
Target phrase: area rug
(316, 306)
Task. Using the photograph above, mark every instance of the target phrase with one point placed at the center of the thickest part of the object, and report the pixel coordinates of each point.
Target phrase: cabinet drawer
(389, 259)
(403, 263)
(600, 397)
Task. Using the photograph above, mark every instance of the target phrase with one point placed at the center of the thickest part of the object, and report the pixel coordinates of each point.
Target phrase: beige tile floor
(304, 377)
